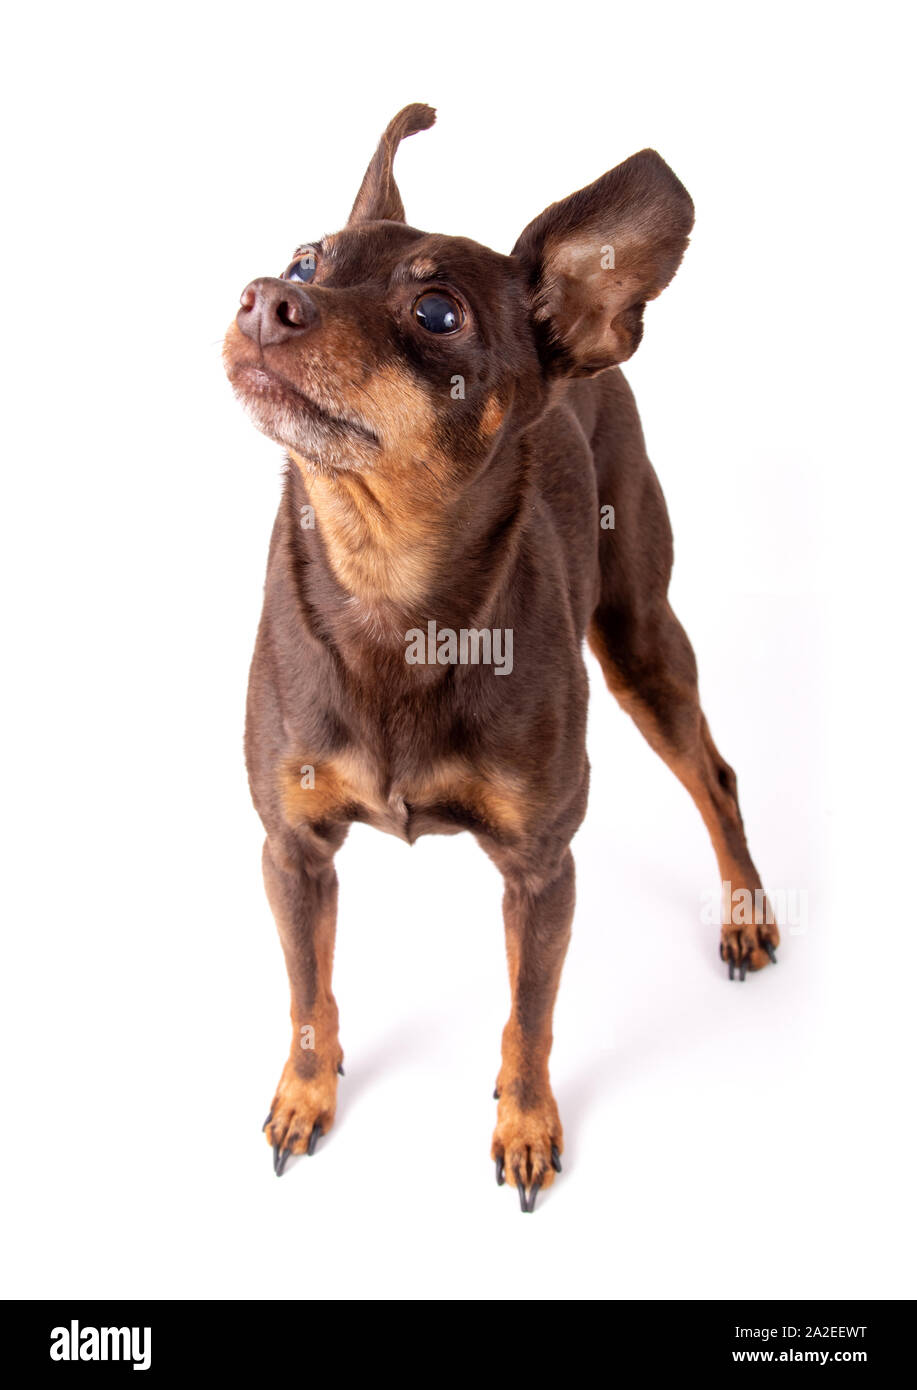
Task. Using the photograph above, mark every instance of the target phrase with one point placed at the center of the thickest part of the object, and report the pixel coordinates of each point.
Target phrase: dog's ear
(378, 198)
(594, 260)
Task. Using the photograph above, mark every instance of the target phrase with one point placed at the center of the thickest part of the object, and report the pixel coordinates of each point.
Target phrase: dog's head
(383, 347)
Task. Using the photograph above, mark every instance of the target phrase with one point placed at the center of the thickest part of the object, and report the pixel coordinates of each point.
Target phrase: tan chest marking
(378, 546)
(348, 783)
(382, 528)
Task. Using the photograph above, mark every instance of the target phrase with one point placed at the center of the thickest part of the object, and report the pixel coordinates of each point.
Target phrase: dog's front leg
(302, 889)
(528, 1139)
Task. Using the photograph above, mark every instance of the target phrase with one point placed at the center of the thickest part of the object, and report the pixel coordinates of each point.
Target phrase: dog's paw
(527, 1145)
(748, 946)
(302, 1111)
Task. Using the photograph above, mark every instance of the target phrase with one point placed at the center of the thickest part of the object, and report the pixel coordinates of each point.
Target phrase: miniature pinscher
(468, 497)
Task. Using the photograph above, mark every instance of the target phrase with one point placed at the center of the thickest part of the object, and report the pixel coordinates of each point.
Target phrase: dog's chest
(442, 797)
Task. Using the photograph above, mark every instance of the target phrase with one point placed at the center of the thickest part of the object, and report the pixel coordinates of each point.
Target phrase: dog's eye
(438, 313)
(302, 269)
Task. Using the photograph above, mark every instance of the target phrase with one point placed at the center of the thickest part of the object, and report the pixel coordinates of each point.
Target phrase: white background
(753, 1141)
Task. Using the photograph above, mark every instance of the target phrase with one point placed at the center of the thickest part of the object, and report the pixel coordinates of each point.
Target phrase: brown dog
(459, 433)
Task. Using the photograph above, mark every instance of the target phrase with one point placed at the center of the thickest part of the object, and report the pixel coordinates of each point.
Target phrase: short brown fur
(451, 465)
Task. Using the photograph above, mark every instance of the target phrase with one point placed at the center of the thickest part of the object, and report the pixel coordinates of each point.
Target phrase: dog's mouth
(292, 417)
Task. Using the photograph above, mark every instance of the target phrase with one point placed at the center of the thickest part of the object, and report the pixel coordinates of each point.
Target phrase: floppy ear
(378, 198)
(597, 257)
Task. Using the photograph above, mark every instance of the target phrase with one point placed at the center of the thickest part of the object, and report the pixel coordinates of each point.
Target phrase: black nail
(340, 1068)
(523, 1201)
(267, 1121)
(555, 1159)
(496, 1094)
(536, 1188)
(501, 1174)
(281, 1162)
(313, 1139)
(771, 952)
(732, 968)
(742, 969)
(276, 1156)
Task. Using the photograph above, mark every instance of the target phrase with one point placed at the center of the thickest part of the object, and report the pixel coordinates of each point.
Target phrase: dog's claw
(527, 1199)
(340, 1068)
(528, 1196)
(496, 1094)
(735, 958)
(270, 1116)
(281, 1155)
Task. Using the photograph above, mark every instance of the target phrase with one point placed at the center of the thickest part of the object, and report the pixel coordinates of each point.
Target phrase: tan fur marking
(492, 418)
(340, 782)
(423, 269)
(378, 544)
(381, 527)
(351, 780)
(492, 797)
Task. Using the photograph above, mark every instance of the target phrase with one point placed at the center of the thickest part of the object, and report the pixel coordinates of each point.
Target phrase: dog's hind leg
(649, 666)
(301, 887)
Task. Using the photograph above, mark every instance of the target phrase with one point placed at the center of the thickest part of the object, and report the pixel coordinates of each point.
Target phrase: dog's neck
(385, 554)
(381, 546)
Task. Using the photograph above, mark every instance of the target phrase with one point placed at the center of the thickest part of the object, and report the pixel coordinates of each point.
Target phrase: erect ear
(597, 257)
(378, 198)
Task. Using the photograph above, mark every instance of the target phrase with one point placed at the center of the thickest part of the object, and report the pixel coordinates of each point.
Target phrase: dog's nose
(274, 310)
